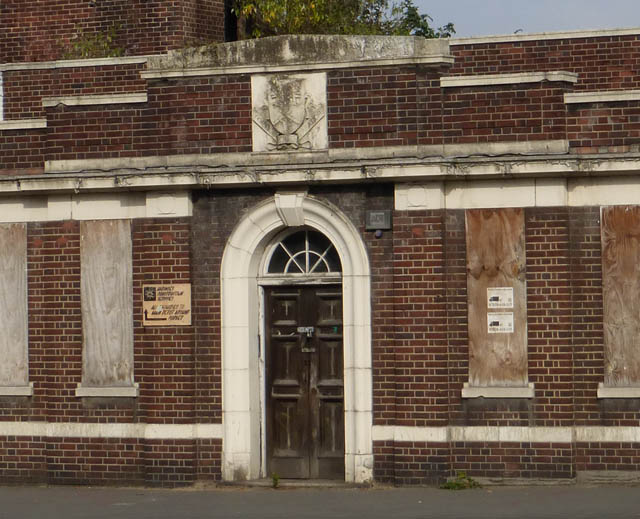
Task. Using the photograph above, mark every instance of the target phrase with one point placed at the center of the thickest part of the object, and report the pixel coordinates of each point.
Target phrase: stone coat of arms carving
(289, 112)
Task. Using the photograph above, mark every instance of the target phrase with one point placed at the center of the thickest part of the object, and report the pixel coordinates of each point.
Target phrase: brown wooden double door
(304, 382)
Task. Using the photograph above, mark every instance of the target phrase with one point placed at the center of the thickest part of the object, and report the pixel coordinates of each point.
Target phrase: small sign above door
(166, 305)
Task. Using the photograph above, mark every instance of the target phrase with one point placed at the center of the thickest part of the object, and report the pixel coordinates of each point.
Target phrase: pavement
(315, 503)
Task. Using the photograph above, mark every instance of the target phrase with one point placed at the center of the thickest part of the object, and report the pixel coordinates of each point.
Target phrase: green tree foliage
(276, 17)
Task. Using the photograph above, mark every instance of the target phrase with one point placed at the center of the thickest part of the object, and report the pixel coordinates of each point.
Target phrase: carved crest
(289, 112)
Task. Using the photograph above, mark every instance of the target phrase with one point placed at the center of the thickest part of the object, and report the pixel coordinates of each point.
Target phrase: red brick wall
(513, 460)
(23, 90)
(199, 115)
(164, 355)
(549, 315)
(603, 63)
(39, 30)
(522, 112)
(610, 456)
(420, 319)
(587, 336)
(372, 107)
(604, 127)
(22, 151)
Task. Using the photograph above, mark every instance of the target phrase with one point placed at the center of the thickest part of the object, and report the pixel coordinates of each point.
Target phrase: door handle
(306, 332)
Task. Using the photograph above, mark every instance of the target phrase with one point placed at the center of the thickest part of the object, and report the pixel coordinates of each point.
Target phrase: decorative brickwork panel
(14, 369)
(621, 294)
(496, 284)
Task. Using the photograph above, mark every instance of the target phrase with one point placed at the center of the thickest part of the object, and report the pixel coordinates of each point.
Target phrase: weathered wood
(14, 369)
(496, 259)
(107, 303)
(305, 388)
(621, 294)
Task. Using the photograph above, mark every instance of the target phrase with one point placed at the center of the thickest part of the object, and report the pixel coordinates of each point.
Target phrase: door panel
(304, 365)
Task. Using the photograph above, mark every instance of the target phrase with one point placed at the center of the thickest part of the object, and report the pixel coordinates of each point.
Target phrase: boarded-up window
(496, 289)
(107, 303)
(14, 369)
(621, 295)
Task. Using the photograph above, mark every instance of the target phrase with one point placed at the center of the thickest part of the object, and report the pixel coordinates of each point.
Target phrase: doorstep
(295, 483)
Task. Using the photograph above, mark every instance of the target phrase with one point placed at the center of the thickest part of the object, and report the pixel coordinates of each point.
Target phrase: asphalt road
(376, 503)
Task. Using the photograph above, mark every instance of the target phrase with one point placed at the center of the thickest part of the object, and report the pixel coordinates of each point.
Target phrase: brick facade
(178, 162)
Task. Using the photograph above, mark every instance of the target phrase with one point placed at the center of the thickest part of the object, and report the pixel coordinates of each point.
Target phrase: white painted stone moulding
(498, 392)
(508, 79)
(23, 124)
(112, 430)
(618, 392)
(472, 434)
(318, 157)
(607, 434)
(74, 63)
(195, 172)
(99, 99)
(612, 96)
(268, 69)
(95, 206)
(547, 147)
(506, 434)
(17, 390)
(108, 392)
(479, 194)
(560, 35)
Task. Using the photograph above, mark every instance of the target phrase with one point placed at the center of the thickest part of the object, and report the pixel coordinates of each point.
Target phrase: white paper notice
(500, 322)
(500, 297)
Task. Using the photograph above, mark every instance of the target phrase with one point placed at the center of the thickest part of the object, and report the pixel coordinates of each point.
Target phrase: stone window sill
(617, 392)
(108, 391)
(17, 390)
(498, 392)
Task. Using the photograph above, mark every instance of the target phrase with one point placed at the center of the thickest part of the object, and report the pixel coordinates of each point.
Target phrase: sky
(490, 17)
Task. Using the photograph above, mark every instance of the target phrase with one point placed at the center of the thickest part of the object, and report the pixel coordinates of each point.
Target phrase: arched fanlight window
(305, 252)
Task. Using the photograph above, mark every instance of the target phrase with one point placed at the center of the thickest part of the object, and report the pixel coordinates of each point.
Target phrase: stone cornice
(185, 172)
(297, 53)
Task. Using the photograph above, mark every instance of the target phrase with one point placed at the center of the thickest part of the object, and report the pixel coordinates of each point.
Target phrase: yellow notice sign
(166, 305)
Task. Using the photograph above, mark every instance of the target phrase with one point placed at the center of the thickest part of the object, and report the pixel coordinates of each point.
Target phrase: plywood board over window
(14, 371)
(496, 288)
(620, 231)
(107, 307)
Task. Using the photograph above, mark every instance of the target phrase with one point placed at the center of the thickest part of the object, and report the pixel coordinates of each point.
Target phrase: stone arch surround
(241, 405)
